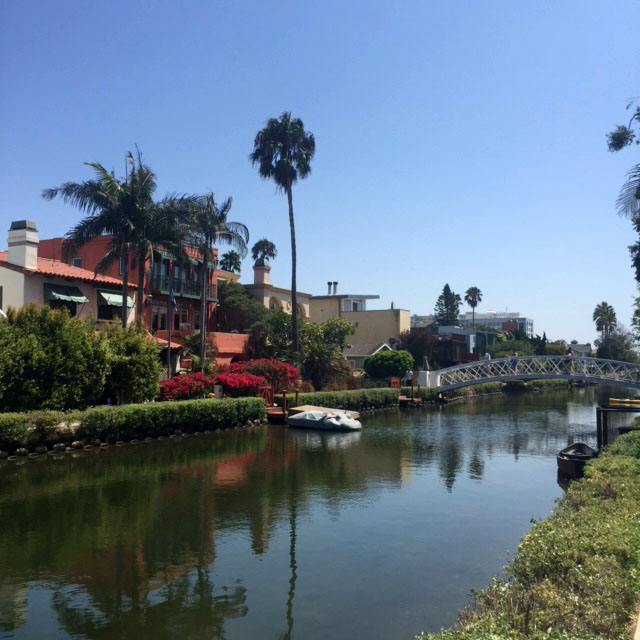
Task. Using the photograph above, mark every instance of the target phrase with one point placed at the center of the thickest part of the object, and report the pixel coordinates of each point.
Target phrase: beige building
(375, 330)
(25, 277)
(274, 297)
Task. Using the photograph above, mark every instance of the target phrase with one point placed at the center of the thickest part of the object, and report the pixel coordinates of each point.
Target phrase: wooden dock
(309, 407)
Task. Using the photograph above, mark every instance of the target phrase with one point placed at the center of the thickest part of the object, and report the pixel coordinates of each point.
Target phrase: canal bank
(575, 574)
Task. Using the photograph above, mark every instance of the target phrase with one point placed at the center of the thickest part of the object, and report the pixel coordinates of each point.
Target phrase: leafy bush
(50, 360)
(356, 400)
(125, 421)
(135, 364)
(386, 364)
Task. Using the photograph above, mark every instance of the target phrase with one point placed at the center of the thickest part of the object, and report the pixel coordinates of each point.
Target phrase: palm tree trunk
(125, 287)
(473, 316)
(204, 277)
(142, 259)
(294, 294)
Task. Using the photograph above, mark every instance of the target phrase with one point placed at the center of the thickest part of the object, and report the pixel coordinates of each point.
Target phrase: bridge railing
(532, 367)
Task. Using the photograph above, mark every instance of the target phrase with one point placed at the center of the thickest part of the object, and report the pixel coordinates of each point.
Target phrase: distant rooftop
(358, 296)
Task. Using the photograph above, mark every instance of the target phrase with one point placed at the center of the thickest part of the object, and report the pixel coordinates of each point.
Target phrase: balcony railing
(181, 287)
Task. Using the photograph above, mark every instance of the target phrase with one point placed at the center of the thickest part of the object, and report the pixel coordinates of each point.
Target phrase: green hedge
(110, 424)
(357, 400)
(575, 575)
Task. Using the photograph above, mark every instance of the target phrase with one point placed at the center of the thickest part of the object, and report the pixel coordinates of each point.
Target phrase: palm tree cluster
(604, 316)
(125, 209)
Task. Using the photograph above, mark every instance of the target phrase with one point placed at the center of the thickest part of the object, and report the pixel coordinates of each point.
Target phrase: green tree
(124, 209)
(283, 151)
(208, 225)
(618, 345)
(420, 343)
(386, 364)
(52, 361)
(231, 261)
(604, 316)
(237, 309)
(135, 364)
(473, 297)
(263, 249)
(628, 200)
(447, 307)
(322, 346)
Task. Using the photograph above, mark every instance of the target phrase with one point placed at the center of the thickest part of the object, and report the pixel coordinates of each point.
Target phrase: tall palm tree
(209, 226)
(124, 209)
(473, 297)
(230, 261)
(112, 206)
(604, 316)
(263, 249)
(283, 151)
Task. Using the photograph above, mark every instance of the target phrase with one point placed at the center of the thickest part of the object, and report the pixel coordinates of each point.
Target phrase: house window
(64, 304)
(108, 312)
(181, 319)
(158, 317)
(356, 306)
(77, 262)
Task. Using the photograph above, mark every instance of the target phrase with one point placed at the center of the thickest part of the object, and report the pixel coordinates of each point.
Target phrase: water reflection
(147, 541)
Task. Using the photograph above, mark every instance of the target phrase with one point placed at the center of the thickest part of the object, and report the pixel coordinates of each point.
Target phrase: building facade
(25, 277)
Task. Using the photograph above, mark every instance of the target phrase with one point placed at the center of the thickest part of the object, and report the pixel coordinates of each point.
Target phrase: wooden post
(605, 429)
(284, 403)
(297, 403)
(599, 427)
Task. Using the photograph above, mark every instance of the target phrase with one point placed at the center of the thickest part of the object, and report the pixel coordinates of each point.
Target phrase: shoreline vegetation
(40, 432)
(575, 574)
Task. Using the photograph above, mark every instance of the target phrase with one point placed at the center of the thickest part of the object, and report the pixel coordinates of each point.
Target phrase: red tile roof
(49, 267)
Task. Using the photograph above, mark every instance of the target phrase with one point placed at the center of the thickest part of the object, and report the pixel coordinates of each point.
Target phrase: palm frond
(628, 202)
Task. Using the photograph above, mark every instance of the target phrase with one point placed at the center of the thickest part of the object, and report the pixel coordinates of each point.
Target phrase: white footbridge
(594, 370)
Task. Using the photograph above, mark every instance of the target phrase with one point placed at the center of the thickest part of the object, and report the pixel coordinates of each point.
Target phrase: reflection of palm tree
(293, 565)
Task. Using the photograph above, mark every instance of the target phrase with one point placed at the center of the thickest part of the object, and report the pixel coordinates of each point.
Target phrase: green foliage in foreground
(110, 424)
(576, 574)
(356, 400)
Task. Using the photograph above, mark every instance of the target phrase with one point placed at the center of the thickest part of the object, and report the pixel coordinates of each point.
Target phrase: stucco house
(272, 297)
(27, 277)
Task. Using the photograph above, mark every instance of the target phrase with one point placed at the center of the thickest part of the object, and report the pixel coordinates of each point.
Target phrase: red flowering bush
(240, 384)
(188, 387)
(197, 385)
(280, 375)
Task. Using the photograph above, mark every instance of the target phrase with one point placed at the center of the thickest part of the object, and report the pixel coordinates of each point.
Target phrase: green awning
(113, 299)
(165, 255)
(63, 292)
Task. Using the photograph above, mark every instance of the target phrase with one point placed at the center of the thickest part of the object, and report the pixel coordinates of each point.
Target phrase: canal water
(276, 533)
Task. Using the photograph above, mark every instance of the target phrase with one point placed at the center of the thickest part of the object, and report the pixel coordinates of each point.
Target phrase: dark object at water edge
(571, 459)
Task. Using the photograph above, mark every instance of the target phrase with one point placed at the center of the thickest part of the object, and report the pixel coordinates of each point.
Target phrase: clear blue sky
(460, 142)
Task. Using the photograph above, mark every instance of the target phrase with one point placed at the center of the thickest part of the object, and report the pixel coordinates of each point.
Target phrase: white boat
(334, 421)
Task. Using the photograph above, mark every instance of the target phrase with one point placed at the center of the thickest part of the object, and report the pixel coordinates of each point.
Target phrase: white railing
(624, 374)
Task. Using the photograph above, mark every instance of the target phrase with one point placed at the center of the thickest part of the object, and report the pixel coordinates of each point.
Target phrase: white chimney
(23, 244)
(329, 288)
(335, 288)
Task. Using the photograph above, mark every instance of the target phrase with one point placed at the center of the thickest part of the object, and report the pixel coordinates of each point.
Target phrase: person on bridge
(567, 360)
(486, 358)
(514, 362)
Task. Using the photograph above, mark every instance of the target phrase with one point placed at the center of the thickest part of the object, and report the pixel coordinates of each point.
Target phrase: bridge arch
(594, 370)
